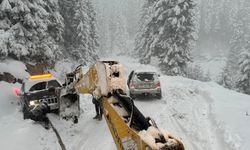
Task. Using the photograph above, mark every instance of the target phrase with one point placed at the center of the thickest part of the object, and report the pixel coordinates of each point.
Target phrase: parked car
(144, 83)
(37, 89)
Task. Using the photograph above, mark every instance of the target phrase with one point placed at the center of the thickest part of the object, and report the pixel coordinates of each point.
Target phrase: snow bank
(230, 115)
(16, 68)
(206, 115)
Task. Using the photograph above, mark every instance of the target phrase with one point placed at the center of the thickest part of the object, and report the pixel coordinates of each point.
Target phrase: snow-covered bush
(194, 71)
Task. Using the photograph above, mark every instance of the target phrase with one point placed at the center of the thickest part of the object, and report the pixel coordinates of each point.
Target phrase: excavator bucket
(69, 107)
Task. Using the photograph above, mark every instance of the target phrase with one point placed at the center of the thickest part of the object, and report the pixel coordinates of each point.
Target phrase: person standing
(98, 104)
(98, 108)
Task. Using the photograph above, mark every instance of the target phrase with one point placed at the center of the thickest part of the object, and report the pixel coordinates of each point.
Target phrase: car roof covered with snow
(145, 71)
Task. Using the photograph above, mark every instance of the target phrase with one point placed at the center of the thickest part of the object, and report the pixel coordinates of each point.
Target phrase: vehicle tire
(159, 95)
(75, 120)
(25, 112)
(23, 109)
(133, 96)
(55, 111)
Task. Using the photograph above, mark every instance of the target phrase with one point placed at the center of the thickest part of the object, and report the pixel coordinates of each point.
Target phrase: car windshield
(38, 86)
(53, 83)
(145, 76)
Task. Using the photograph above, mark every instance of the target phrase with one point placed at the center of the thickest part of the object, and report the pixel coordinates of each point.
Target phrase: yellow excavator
(130, 129)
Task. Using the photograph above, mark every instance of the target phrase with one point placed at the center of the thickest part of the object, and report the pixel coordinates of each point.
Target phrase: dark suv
(36, 90)
(144, 83)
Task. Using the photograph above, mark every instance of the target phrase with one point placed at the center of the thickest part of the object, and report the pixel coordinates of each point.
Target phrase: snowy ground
(204, 115)
(19, 134)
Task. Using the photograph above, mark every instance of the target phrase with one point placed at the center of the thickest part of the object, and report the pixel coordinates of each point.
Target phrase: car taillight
(132, 85)
(158, 84)
(16, 91)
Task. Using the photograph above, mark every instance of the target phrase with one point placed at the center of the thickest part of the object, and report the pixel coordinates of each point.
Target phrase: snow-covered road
(204, 115)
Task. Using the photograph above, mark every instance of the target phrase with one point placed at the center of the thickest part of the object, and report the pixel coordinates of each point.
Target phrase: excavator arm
(130, 129)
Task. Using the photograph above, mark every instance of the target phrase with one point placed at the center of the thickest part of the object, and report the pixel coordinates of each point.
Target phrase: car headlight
(33, 103)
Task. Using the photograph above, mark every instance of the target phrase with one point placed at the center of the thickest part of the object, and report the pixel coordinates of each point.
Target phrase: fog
(215, 23)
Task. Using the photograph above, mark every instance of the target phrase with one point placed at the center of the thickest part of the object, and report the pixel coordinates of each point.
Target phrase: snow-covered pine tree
(244, 81)
(243, 84)
(238, 44)
(32, 30)
(225, 78)
(93, 43)
(80, 30)
(143, 34)
(207, 76)
(174, 28)
(194, 71)
(231, 70)
(67, 10)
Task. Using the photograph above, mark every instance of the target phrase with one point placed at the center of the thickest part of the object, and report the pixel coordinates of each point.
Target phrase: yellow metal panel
(87, 82)
(119, 129)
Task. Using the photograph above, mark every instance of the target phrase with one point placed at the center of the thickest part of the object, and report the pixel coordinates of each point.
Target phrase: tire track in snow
(172, 96)
(184, 131)
(217, 131)
(196, 127)
(58, 136)
(177, 125)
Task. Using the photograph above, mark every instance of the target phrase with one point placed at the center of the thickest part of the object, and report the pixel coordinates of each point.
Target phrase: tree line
(48, 30)
(169, 30)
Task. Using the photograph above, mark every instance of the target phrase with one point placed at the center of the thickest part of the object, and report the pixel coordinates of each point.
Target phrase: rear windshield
(145, 76)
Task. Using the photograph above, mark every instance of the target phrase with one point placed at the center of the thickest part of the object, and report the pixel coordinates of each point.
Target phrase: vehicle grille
(52, 100)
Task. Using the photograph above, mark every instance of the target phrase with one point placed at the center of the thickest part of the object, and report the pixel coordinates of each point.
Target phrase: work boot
(46, 123)
(96, 117)
(46, 126)
(99, 117)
